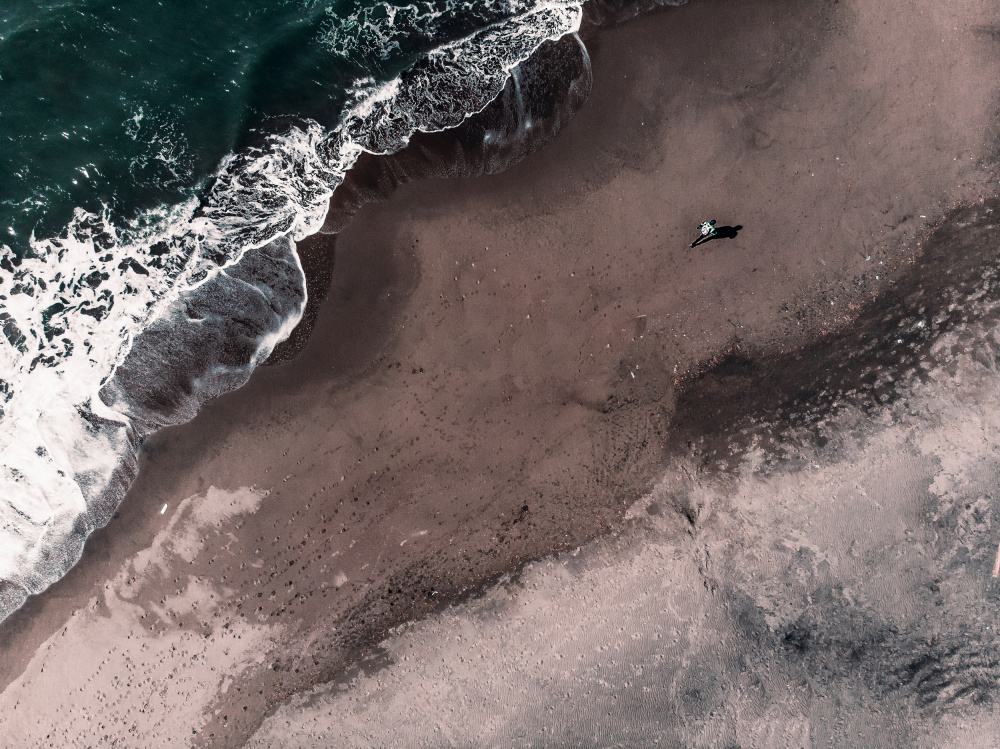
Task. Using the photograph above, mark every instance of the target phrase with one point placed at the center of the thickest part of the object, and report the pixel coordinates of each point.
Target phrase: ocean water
(158, 163)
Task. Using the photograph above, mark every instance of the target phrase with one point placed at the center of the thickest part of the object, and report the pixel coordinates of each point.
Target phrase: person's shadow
(721, 232)
(727, 232)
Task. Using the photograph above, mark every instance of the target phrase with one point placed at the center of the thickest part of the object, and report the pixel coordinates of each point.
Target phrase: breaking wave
(111, 331)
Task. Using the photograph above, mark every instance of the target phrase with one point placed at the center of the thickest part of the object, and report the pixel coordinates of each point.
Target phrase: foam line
(111, 332)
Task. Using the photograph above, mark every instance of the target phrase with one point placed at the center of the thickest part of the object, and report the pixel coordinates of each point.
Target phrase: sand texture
(629, 491)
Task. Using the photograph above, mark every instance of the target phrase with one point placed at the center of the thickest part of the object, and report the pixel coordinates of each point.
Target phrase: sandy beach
(501, 366)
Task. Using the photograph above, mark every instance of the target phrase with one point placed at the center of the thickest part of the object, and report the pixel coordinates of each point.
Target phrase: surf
(113, 329)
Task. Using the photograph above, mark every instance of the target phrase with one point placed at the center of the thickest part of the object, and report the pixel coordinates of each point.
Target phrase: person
(706, 230)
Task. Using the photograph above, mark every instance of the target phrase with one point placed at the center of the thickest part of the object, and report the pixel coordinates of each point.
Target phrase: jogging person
(706, 230)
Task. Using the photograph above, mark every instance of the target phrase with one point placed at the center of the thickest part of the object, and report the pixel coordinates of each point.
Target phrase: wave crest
(112, 332)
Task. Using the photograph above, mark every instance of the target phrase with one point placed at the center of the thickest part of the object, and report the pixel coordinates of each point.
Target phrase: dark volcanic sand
(493, 373)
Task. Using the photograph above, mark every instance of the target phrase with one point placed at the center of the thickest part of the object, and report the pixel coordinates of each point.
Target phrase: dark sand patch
(751, 399)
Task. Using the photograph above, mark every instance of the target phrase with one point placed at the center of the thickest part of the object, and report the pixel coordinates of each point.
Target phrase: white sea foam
(377, 31)
(72, 312)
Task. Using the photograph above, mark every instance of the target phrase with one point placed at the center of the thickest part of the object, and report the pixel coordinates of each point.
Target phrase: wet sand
(494, 372)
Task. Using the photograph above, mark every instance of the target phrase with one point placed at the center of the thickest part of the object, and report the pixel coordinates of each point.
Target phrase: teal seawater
(132, 105)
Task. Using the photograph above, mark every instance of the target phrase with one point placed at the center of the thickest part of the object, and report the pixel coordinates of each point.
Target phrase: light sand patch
(119, 673)
(795, 611)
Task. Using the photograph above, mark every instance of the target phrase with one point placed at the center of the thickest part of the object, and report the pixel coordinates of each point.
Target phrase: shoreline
(398, 355)
(203, 332)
